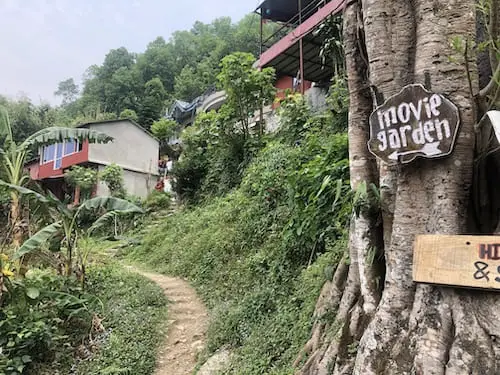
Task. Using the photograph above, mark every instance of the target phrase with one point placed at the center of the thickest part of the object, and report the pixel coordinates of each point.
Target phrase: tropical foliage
(112, 176)
(45, 317)
(258, 249)
(68, 226)
(36, 316)
(260, 254)
(164, 129)
(82, 178)
(183, 67)
(14, 156)
(220, 145)
(247, 89)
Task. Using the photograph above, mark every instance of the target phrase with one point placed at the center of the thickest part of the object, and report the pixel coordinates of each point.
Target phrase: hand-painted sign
(466, 261)
(415, 122)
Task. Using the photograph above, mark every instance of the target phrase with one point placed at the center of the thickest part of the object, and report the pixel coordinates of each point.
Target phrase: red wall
(47, 170)
(284, 83)
(33, 169)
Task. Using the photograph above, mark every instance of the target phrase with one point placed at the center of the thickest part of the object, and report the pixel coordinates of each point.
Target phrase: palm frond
(57, 134)
(25, 191)
(110, 204)
(104, 219)
(38, 239)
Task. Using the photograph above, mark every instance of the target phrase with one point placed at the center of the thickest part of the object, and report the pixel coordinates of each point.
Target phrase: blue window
(48, 154)
(70, 147)
(59, 155)
(55, 153)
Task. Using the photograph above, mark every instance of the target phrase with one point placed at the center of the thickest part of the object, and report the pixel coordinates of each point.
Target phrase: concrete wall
(316, 98)
(212, 102)
(140, 184)
(132, 149)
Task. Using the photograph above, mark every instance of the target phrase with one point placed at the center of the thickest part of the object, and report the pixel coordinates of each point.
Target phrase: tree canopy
(183, 67)
(142, 85)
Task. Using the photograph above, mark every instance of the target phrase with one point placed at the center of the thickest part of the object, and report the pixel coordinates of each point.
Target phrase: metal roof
(284, 55)
(285, 10)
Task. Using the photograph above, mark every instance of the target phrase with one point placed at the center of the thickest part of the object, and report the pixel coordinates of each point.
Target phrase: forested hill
(181, 67)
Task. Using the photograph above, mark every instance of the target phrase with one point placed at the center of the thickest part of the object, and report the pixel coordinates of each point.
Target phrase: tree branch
(490, 87)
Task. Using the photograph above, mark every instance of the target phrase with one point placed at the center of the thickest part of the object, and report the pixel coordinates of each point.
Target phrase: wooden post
(261, 34)
(301, 52)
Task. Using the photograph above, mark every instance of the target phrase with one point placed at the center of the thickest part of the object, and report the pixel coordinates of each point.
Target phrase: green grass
(47, 323)
(133, 311)
(259, 255)
(261, 302)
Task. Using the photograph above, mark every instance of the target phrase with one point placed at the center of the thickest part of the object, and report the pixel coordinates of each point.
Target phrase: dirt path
(188, 320)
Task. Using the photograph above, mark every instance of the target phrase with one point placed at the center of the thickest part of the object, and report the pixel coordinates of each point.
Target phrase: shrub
(267, 176)
(134, 311)
(192, 166)
(164, 128)
(44, 316)
(129, 114)
(158, 201)
(84, 178)
(112, 175)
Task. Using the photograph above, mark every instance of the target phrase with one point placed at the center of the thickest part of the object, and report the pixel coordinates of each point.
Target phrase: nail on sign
(414, 122)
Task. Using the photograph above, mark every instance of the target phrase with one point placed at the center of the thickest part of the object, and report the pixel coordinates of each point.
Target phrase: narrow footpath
(187, 324)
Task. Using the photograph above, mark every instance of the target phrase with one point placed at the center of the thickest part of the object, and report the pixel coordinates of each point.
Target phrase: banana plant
(13, 157)
(66, 224)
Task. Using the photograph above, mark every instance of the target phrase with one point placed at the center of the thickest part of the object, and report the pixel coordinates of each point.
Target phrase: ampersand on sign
(481, 272)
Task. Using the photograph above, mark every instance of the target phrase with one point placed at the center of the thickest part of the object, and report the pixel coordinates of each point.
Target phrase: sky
(44, 42)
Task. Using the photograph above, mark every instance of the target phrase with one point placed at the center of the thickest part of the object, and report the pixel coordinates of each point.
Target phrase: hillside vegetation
(260, 254)
(141, 85)
(49, 325)
(265, 224)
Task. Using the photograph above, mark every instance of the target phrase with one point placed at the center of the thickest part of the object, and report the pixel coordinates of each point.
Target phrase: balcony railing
(292, 23)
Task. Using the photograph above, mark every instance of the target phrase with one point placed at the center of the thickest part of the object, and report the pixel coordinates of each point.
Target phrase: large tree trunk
(410, 329)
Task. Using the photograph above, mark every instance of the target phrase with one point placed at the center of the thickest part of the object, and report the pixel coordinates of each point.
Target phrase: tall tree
(187, 65)
(122, 90)
(247, 88)
(385, 323)
(114, 60)
(189, 84)
(153, 102)
(24, 117)
(67, 90)
(159, 60)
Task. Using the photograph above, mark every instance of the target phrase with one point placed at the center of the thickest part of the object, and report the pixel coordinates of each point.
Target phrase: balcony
(213, 102)
(294, 49)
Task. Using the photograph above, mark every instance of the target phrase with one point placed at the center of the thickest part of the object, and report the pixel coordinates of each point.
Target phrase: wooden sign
(415, 122)
(465, 261)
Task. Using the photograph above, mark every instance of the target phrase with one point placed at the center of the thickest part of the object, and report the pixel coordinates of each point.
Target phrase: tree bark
(411, 329)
